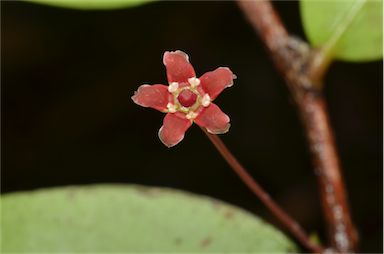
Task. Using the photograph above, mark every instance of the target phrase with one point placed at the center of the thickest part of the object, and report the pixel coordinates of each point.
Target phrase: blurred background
(68, 119)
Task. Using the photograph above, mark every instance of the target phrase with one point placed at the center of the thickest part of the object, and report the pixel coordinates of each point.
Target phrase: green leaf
(120, 218)
(350, 29)
(91, 4)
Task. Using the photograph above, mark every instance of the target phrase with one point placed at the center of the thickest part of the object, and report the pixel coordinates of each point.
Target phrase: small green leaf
(118, 218)
(91, 4)
(350, 29)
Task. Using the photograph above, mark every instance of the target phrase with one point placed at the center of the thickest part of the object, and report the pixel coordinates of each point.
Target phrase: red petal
(173, 129)
(155, 96)
(178, 67)
(214, 82)
(213, 119)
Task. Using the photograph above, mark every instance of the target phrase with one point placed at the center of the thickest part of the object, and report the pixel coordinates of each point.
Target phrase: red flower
(187, 99)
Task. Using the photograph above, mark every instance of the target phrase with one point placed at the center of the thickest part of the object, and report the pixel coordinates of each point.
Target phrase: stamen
(191, 115)
(173, 86)
(194, 81)
(206, 100)
(171, 108)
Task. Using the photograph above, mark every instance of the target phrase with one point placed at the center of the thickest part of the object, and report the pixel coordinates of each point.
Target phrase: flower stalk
(290, 224)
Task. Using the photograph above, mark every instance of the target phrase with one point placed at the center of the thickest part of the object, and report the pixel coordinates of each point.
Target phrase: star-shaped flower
(186, 99)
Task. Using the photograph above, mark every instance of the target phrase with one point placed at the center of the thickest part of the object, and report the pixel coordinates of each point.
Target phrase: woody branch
(298, 64)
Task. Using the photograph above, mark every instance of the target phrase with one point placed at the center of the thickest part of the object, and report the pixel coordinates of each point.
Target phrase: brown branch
(297, 63)
(286, 220)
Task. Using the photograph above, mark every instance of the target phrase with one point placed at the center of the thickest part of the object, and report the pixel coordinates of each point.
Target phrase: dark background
(67, 78)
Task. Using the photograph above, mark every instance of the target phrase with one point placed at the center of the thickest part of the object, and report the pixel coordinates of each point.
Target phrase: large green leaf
(118, 218)
(91, 4)
(351, 28)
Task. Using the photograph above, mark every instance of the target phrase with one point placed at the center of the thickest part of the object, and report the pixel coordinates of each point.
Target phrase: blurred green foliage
(353, 27)
(128, 218)
(91, 4)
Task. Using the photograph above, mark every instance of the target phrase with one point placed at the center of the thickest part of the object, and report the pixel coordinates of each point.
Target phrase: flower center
(187, 98)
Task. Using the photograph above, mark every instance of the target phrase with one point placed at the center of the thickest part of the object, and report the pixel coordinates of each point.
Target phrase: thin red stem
(291, 225)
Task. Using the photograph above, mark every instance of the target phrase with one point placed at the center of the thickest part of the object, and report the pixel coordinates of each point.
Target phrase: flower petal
(155, 96)
(178, 67)
(214, 82)
(213, 119)
(173, 129)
